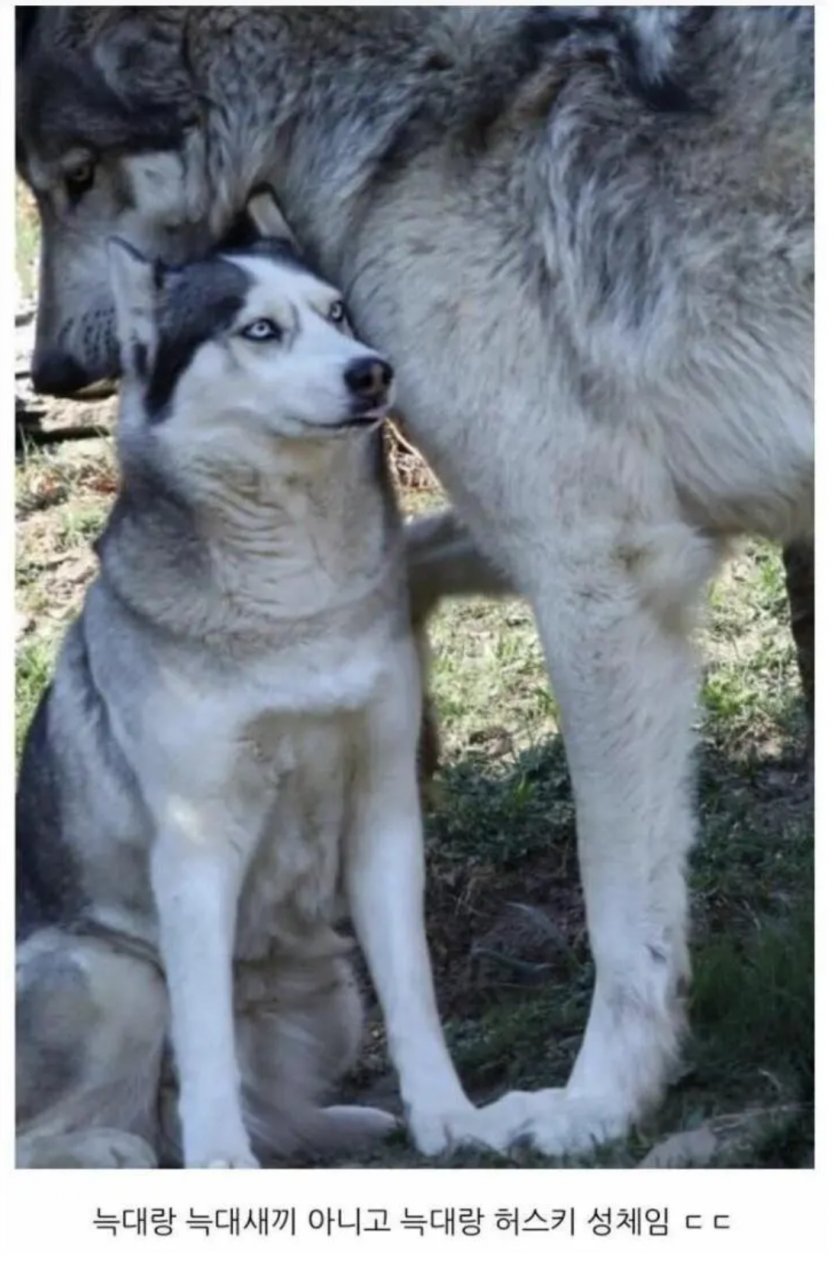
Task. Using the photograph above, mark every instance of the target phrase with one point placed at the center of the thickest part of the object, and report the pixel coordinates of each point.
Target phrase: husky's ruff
(586, 239)
(228, 745)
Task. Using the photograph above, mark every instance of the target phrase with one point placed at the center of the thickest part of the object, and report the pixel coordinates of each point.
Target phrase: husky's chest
(294, 762)
(294, 875)
(262, 755)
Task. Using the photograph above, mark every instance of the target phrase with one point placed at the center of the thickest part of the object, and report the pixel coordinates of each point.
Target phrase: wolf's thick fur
(585, 237)
(228, 751)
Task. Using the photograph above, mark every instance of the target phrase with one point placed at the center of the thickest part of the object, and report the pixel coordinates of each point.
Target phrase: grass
(504, 905)
(26, 240)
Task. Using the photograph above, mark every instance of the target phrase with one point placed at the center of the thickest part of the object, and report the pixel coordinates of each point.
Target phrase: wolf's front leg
(385, 884)
(615, 626)
(196, 886)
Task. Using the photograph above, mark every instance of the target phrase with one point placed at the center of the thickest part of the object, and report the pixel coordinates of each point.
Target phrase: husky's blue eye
(336, 312)
(261, 330)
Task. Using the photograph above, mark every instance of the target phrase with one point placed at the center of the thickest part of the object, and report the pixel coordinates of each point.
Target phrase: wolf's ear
(136, 284)
(137, 54)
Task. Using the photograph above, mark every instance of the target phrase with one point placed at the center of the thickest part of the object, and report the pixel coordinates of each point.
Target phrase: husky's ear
(267, 218)
(260, 222)
(136, 284)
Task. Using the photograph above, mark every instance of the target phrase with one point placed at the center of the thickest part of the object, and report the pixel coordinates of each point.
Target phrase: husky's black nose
(369, 379)
(56, 374)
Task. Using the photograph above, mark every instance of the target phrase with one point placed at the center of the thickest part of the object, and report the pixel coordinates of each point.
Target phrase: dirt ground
(504, 906)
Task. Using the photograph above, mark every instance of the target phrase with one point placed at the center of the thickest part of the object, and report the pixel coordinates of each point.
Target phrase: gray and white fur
(586, 239)
(225, 762)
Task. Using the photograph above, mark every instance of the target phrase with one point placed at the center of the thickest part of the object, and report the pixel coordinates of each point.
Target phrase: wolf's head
(230, 352)
(108, 139)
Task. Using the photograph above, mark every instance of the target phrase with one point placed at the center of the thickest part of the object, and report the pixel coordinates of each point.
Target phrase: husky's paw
(241, 1159)
(221, 1151)
(85, 1148)
(436, 1131)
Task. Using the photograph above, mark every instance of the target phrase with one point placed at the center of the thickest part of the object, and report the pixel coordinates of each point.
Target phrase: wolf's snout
(369, 379)
(57, 374)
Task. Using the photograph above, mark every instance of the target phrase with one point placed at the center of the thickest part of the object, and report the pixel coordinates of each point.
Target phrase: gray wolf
(585, 238)
(225, 759)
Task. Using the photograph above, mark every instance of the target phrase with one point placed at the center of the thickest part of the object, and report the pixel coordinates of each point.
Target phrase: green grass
(33, 670)
(63, 494)
(26, 240)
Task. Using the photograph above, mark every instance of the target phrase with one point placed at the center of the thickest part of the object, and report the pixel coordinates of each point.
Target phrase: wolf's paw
(553, 1122)
(549, 1121)
(85, 1148)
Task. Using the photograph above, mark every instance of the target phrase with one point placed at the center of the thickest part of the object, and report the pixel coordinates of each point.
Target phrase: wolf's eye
(336, 313)
(261, 330)
(80, 178)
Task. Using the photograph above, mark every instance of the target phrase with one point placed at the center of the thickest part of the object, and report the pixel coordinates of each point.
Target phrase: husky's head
(241, 347)
(108, 138)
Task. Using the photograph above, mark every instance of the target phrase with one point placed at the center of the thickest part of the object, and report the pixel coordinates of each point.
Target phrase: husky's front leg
(385, 884)
(196, 887)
